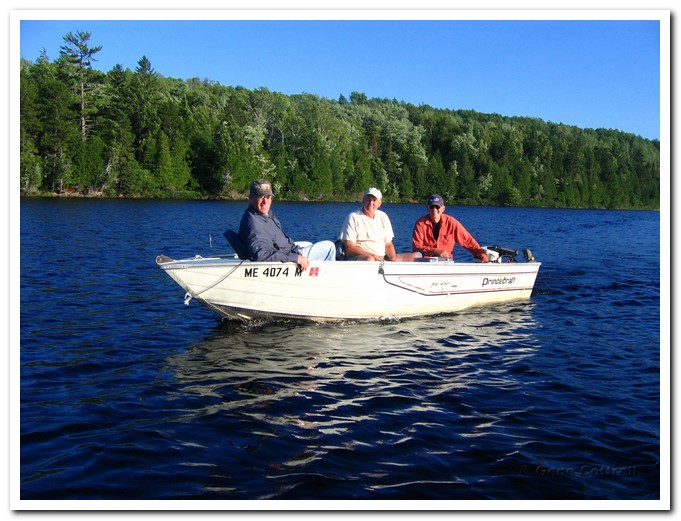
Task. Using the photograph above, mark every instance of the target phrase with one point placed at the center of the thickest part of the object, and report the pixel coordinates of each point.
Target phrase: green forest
(137, 133)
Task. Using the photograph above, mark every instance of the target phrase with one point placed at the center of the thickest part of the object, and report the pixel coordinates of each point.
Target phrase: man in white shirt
(367, 233)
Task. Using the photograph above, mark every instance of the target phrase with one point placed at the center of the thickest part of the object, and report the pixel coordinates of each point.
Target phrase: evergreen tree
(59, 132)
(144, 96)
(77, 59)
(89, 166)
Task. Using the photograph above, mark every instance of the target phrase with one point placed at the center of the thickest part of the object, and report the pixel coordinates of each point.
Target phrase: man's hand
(303, 262)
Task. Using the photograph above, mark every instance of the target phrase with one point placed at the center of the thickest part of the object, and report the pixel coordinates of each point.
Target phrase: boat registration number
(273, 271)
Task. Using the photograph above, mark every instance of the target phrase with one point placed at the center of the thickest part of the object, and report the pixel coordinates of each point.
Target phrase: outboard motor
(492, 255)
(501, 254)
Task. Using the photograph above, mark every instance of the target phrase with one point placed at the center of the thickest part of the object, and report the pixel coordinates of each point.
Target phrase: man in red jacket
(436, 234)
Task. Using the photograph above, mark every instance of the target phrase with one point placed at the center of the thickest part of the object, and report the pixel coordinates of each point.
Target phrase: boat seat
(237, 244)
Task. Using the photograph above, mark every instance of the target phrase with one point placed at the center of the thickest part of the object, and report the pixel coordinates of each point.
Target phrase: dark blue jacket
(264, 238)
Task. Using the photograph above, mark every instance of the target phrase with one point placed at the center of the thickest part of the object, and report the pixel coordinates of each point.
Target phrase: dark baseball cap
(261, 187)
(436, 200)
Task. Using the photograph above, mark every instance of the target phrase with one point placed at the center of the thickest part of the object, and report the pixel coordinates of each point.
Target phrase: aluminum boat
(349, 290)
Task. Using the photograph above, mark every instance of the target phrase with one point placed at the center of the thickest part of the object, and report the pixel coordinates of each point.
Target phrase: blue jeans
(322, 251)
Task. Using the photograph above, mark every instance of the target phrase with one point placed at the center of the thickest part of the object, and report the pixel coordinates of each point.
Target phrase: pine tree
(77, 59)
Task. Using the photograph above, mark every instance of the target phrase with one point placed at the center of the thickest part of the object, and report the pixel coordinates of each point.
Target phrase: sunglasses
(434, 206)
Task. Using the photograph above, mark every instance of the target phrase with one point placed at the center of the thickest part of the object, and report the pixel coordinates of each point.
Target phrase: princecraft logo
(499, 281)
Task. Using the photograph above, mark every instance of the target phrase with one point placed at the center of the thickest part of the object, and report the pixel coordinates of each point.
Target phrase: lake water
(128, 394)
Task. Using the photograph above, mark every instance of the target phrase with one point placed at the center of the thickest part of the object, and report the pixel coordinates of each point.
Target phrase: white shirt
(367, 233)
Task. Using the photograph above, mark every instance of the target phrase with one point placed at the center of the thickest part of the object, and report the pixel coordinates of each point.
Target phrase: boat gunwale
(167, 263)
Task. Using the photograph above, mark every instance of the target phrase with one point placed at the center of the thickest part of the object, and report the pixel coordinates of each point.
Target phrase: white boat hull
(347, 290)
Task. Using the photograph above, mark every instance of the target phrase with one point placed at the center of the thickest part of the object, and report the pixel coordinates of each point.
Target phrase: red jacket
(451, 232)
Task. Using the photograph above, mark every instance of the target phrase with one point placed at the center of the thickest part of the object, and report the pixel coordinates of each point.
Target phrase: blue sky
(587, 73)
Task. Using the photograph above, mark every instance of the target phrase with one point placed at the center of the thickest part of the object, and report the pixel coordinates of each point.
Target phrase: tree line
(137, 133)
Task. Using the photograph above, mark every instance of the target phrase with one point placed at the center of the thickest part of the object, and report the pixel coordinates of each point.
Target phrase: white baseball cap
(375, 192)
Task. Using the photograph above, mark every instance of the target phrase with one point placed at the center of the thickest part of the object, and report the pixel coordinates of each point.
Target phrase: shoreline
(244, 198)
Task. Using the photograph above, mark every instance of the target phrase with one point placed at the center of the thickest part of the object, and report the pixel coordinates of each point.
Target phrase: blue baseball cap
(436, 200)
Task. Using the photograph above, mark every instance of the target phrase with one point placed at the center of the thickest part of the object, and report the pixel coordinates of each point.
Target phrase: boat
(240, 289)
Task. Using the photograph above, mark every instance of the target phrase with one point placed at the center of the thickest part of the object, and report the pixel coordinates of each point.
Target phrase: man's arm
(465, 239)
(390, 252)
(258, 240)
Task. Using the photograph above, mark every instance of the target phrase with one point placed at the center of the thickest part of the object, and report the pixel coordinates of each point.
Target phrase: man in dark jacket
(262, 234)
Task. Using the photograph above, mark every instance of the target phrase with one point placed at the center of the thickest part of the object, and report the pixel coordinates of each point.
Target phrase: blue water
(128, 394)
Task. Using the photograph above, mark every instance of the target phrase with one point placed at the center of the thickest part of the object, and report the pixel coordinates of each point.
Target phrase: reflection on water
(344, 368)
(309, 353)
(312, 394)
